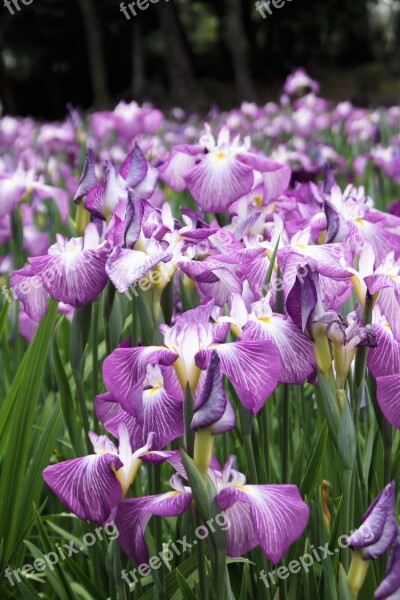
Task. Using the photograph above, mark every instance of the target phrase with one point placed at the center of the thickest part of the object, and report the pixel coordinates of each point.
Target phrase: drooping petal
(295, 348)
(74, 277)
(88, 179)
(212, 400)
(278, 514)
(254, 368)
(218, 181)
(388, 395)
(379, 528)
(179, 162)
(134, 514)
(126, 267)
(134, 168)
(125, 369)
(390, 586)
(11, 193)
(30, 292)
(384, 359)
(87, 486)
(276, 175)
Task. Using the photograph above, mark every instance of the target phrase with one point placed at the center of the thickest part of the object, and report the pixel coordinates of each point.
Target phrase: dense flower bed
(223, 302)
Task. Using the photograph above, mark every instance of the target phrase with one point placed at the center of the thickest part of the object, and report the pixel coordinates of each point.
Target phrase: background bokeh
(193, 54)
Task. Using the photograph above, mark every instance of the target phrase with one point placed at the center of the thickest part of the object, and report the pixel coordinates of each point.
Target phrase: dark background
(193, 54)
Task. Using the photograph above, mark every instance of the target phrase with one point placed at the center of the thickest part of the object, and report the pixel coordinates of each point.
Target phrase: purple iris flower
(103, 199)
(128, 120)
(73, 271)
(217, 173)
(92, 486)
(189, 344)
(270, 516)
(390, 586)
(379, 529)
(156, 406)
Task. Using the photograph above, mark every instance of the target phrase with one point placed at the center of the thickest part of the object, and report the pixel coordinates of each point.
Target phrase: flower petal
(125, 369)
(254, 368)
(278, 514)
(88, 485)
(134, 514)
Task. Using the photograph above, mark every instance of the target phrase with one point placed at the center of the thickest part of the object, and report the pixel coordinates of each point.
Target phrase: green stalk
(188, 416)
(108, 298)
(95, 357)
(346, 511)
(201, 566)
(285, 433)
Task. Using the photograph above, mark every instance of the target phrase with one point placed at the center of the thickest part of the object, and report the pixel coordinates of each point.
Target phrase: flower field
(200, 353)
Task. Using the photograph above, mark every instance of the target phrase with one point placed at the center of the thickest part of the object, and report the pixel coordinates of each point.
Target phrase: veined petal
(126, 267)
(254, 368)
(30, 292)
(295, 348)
(87, 486)
(278, 514)
(88, 179)
(385, 358)
(212, 400)
(111, 414)
(388, 395)
(216, 182)
(180, 160)
(276, 175)
(379, 527)
(11, 193)
(134, 514)
(125, 369)
(75, 277)
(390, 586)
(134, 168)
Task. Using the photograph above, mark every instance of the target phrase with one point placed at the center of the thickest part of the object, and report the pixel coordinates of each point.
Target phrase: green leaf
(309, 482)
(186, 590)
(67, 404)
(25, 395)
(197, 485)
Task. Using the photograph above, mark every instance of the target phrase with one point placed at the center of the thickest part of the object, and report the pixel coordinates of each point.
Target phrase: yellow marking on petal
(301, 246)
(220, 155)
(395, 277)
(241, 487)
(172, 494)
(258, 201)
(387, 326)
(266, 320)
(360, 222)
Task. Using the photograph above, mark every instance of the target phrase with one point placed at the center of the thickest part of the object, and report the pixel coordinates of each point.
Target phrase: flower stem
(285, 433)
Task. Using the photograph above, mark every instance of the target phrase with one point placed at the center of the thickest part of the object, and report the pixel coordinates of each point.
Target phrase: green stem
(347, 487)
(95, 356)
(80, 395)
(188, 416)
(108, 299)
(285, 433)
(201, 567)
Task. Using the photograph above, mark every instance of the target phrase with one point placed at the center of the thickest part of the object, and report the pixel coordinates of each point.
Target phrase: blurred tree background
(193, 53)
